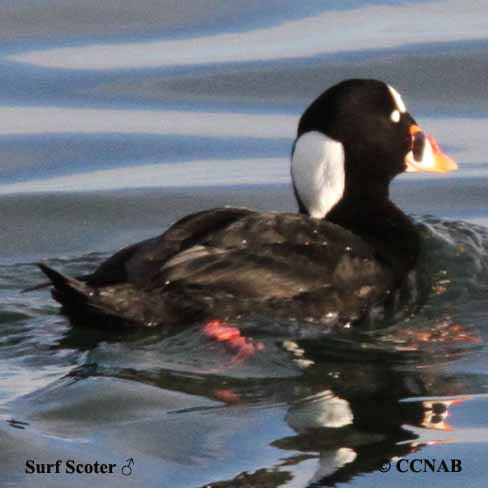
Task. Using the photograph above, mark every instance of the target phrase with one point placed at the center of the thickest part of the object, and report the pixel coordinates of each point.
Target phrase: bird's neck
(371, 215)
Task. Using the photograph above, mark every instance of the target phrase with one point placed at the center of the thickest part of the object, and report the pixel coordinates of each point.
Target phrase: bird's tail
(79, 300)
(68, 291)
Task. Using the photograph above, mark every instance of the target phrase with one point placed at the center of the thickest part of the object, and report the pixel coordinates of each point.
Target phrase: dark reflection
(356, 433)
(263, 478)
(348, 414)
(17, 424)
(355, 422)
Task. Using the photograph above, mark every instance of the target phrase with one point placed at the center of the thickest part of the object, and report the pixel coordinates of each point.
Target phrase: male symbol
(127, 469)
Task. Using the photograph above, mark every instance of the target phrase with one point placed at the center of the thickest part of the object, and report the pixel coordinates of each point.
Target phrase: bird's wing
(270, 258)
(138, 262)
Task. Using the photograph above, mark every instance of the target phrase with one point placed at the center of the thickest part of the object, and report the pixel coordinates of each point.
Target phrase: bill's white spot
(426, 161)
(432, 419)
(395, 116)
(397, 99)
(317, 170)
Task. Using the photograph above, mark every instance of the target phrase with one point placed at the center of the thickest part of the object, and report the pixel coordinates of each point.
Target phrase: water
(118, 118)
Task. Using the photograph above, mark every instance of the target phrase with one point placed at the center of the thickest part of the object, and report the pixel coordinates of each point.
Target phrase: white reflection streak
(42, 120)
(378, 26)
(194, 173)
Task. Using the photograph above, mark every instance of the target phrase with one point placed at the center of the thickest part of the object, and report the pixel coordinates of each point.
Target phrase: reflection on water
(200, 100)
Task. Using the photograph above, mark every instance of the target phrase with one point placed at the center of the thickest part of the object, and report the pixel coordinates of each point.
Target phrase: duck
(348, 258)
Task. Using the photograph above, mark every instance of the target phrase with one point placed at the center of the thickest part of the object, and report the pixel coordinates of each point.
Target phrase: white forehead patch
(397, 99)
(318, 173)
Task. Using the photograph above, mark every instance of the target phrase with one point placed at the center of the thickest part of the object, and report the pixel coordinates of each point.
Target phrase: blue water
(116, 119)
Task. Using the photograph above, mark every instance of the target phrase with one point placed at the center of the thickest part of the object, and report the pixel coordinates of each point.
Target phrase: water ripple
(381, 26)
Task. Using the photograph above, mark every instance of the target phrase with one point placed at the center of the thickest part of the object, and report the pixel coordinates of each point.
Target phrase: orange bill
(426, 155)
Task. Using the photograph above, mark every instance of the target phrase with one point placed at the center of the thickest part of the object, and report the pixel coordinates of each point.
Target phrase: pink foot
(223, 332)
(450, 333)
(227, 396)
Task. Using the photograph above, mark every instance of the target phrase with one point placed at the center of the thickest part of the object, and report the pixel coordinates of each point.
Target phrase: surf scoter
(347, 258)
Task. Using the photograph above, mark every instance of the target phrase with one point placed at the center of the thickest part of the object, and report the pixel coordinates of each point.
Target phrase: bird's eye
(395, 116)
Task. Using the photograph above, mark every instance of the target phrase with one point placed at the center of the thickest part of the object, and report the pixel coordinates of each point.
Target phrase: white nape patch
(395, 116)
(322, 410)
(397, 99)
(317, 170)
